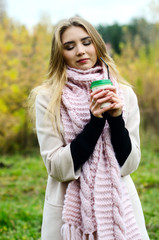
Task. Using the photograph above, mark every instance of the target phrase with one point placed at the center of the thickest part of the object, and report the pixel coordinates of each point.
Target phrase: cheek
(67, 56)
(94, 53)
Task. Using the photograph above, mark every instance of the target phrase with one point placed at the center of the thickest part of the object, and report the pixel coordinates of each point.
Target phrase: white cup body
(102, 87)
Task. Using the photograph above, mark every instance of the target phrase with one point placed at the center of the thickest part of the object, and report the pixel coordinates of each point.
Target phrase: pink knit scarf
(97, 205)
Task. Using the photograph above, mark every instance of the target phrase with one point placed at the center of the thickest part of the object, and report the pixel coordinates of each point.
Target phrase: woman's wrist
(107, 116)
(97, 120)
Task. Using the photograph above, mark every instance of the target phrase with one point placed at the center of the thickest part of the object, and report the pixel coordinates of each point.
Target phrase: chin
(85, 67)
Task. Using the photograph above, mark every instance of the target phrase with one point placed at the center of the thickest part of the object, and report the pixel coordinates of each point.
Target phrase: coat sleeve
(132, 124)
(56, 156)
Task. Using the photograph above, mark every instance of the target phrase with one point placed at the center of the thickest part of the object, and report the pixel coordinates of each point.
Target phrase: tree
(142, 71)
(112, 34)
(23, 65)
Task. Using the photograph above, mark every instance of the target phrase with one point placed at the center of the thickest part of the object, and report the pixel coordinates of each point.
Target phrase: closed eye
(69, 47)
(87, 42)
(71, 44)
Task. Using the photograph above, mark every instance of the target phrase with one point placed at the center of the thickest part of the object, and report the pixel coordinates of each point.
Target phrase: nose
(80, 50)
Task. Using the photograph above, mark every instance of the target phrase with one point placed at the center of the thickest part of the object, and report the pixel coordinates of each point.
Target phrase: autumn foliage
(139, 64)
(23, 65)
(24, 59)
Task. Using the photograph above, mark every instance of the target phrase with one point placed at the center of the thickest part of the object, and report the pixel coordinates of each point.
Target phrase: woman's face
(78, 49)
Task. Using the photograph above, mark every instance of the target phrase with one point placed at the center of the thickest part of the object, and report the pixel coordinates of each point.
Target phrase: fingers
(99, 92)
(116, 108)
(102, 96)
(96, 101)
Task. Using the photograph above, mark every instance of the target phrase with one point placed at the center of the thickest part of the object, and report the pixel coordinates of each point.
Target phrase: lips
(83, 60)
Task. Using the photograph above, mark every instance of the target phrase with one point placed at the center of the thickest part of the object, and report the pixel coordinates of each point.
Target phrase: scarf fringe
(70, 232)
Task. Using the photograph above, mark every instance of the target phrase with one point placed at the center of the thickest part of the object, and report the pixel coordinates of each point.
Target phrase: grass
(146, 179)
(23, 181)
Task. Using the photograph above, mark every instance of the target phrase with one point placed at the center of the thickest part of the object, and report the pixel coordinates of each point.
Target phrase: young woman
(88, 151)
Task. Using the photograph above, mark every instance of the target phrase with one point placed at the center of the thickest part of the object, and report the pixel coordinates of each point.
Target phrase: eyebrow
(70, 42)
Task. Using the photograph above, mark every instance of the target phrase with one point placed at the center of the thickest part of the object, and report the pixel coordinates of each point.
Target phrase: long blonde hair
(57, 68)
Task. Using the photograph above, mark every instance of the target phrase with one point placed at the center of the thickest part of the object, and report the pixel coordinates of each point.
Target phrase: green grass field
(23, 181)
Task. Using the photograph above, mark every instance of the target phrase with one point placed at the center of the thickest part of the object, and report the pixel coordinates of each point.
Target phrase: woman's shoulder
(129, 95)
(43, 95)
(128, 91)
(125, 87)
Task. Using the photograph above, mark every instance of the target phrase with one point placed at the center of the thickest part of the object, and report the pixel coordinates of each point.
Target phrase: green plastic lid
(101, 82)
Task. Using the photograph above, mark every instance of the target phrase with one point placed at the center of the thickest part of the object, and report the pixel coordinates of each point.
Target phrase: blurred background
(130, 30)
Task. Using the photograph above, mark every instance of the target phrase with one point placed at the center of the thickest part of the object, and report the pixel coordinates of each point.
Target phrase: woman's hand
(100, 96)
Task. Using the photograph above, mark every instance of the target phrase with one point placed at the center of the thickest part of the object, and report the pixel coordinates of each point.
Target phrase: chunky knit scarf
(97, 205)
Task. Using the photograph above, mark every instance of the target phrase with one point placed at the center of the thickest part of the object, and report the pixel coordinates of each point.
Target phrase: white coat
(59, 165)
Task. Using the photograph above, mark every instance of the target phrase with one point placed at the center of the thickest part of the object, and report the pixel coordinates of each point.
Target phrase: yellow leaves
(3, 107)
(20, 114)
(5, 47)
(24, 34)
(15, 35)
(139, 85)
(9, 46)
(15, 89)
(2, 35)
(3, 85)
(142, 71)
(12, 74)
(26, 49)
(23, 64)
(20, 117)
(13, 62)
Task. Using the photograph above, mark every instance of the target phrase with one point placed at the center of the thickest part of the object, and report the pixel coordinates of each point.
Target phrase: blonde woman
(89, 151)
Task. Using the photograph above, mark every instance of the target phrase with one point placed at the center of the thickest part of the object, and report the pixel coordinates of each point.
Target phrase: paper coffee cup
(101, 84)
